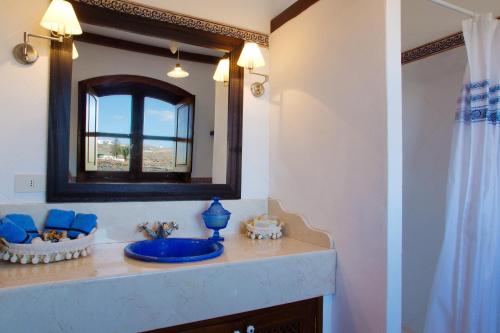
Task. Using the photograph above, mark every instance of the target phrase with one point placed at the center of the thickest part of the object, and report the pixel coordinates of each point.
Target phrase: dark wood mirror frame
(60, 188)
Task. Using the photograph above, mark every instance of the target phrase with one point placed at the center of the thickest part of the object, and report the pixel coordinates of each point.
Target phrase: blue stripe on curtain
(479, 102)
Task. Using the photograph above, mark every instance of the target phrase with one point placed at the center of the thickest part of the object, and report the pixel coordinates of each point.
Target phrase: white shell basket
(271, 231)
(47, 252)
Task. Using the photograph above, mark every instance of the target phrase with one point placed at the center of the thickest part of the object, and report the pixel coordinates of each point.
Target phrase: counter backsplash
(118, 221)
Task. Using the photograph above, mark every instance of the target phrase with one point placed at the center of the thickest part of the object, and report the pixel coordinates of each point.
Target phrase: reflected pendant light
(178, 72)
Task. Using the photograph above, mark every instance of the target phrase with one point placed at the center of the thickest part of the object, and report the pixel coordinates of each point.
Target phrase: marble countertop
(108, 292)
(108, 261)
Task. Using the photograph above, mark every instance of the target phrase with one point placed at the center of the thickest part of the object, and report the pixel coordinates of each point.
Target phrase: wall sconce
(222, 72)
(61, 20)
(251, 58)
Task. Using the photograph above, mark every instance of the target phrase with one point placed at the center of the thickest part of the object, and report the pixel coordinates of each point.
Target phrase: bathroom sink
(171, 250)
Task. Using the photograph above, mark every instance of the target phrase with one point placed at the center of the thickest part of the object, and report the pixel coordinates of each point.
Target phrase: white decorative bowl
(264, 227)
(45, 252)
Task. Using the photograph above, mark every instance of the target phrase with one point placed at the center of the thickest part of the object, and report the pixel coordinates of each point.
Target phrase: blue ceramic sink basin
(173, 250)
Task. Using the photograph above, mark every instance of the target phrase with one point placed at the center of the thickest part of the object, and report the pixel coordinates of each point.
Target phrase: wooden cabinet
(299, 317)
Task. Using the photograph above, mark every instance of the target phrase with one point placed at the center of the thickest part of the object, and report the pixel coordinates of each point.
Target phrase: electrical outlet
(29, 183)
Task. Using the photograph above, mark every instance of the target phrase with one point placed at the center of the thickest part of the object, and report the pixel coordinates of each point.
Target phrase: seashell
(37, 240)
(13, 258)
(24, 260)
(35, 260)
(76, 255)
(6, 256)
(68, 256)
(46, 259)
(58, 257)
(84, 253)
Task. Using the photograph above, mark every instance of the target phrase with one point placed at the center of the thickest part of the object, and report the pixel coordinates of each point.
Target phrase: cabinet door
(299, 317)
(217, 325)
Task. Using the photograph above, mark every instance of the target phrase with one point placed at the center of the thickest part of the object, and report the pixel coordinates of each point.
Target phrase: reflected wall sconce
(250, 58)
(74, 52)
(61, 20)
(222, 72)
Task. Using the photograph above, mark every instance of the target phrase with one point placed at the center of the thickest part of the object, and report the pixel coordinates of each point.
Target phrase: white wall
(24, 114)
(430, 90)
(219, 164)
(97, 60)
(329, 145)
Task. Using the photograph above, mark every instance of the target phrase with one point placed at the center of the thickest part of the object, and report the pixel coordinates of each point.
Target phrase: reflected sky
(115, 116)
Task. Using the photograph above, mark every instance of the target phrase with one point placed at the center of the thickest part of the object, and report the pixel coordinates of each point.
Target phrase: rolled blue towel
(13, 233)
(82, 224)
(59, 220)
(26, 222)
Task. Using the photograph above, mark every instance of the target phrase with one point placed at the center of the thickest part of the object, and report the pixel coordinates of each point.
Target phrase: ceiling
(254, 15)
(277, 6)
(423, 21)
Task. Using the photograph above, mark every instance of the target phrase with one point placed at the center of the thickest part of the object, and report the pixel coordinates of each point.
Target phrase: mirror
(132, 122)
(127, 124)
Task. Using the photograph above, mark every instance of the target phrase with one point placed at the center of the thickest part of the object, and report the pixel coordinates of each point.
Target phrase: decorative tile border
(438, 46)
(433, 48)
(163, 15)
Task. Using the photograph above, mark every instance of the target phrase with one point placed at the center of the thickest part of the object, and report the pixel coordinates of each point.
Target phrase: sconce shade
(178, 72)
(60, 19)
(251, 57)
(74, 54)
(222, 72)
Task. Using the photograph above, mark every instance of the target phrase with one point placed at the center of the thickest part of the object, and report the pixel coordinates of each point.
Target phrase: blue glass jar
(216, 218)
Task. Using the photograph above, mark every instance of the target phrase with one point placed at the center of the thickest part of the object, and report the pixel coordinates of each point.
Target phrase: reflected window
(134, 128)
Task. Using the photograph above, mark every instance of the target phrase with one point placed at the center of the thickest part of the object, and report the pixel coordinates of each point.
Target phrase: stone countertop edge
(158, 298)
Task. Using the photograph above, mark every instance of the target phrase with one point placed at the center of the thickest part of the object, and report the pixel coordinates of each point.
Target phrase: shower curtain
(465, 296)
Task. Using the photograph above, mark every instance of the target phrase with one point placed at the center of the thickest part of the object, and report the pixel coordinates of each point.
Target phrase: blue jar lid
(216, 208)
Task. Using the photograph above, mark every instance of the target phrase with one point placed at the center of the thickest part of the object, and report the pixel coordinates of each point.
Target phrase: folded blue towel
(59, 220)
(13, 233)
(26, 222)
(82, 224)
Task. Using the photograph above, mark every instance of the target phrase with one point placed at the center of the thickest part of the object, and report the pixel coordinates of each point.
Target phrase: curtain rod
(451, 6)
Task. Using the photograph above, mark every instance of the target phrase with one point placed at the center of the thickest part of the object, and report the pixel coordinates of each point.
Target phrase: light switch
(29, 183)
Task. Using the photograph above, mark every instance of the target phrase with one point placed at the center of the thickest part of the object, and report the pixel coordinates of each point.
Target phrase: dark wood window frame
(62, 188)
(139, 88)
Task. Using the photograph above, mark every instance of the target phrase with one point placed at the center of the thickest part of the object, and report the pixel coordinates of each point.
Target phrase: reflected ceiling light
(74, 53)
(222, 72)
(60, 19)
(178, 72)
(251, 58)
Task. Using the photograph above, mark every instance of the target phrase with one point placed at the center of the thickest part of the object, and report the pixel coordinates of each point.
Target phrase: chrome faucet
(160, 229)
